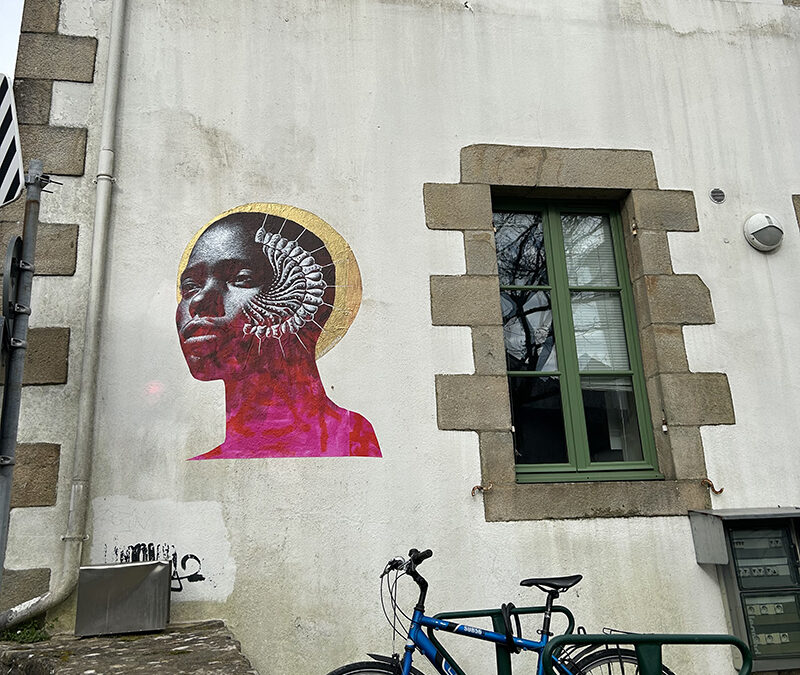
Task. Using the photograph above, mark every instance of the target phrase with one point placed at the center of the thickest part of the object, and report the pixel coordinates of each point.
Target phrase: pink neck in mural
(282, 410)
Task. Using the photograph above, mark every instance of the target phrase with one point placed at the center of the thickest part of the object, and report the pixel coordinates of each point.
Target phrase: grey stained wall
(44, 56)
(346, 108)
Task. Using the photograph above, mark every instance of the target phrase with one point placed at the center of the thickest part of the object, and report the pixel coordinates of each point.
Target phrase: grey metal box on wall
(127, 598)
(755, 550)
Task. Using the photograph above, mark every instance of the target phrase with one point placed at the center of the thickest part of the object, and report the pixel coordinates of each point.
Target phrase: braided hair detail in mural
(295, 294)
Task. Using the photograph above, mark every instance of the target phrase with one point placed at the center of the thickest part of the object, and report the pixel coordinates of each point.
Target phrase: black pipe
(17, 347)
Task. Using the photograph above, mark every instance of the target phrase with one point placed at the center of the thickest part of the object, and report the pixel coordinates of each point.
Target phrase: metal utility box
(129, 598)
(757, 554)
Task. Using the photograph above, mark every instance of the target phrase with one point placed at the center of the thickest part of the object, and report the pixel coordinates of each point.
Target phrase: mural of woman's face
(256, 289)
(225, 271)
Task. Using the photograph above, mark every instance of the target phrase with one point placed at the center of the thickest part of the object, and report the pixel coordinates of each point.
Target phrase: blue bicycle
(419, 634)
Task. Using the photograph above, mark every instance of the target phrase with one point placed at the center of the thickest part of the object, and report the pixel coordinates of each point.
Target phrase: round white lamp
(763, 232)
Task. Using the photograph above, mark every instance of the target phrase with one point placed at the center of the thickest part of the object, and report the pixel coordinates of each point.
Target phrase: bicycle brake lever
(393, 564)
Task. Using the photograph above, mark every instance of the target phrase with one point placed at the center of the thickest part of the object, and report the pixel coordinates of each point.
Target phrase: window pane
(611, 422)
(589, 250)
(538, 420)
(519, 238)
(599, 331)
(528, 330)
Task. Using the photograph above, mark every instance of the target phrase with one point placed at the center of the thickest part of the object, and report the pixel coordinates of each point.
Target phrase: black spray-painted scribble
(189, 568)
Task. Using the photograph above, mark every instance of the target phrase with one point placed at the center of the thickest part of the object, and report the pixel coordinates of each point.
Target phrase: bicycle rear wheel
(612, 662)
(370, 668)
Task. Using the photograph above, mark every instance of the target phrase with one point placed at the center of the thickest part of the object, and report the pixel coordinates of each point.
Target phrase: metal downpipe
(67, 576)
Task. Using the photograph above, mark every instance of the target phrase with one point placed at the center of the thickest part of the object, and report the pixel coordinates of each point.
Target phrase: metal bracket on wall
(482, 488)
(707, 483)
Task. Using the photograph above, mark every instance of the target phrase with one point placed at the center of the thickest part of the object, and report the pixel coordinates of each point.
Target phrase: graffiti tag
(188, 569)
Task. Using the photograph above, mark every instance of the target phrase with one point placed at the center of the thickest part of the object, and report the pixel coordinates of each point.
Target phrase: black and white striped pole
(12, 177)
(17, 284)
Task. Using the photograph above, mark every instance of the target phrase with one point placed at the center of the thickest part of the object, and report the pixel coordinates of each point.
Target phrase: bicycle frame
(417, 639)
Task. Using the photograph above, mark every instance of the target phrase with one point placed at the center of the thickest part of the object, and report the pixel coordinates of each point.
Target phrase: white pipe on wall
(67, 576)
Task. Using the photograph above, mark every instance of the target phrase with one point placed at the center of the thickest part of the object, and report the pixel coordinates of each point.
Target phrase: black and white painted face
(249, 281)
(226, 270)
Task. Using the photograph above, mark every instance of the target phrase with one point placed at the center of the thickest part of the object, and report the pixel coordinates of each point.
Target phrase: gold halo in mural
(347, 297)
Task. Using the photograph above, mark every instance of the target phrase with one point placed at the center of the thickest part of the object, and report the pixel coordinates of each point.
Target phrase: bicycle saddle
(559, 584)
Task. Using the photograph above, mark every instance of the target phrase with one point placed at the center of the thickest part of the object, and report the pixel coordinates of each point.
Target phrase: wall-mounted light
(763, 232)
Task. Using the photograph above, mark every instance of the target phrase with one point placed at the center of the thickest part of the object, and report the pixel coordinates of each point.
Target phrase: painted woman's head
(255, 286)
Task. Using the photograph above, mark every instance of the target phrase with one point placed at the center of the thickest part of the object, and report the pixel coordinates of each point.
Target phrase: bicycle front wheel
(612, 662)
(370, 668)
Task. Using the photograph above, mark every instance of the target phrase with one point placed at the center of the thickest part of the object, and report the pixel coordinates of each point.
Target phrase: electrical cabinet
(757, 554)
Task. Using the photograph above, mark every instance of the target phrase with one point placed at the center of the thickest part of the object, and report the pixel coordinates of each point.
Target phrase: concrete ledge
(56, 246)
(22, 585)
(663, 349)
(685, 452)
(47, 356)
(44, 56)
(33, 99)
(62, 149)
(473, 402)
(480, 252)
(14, 212)
(47, 360)
(628, 499)
(35, 475)
(694, 399)
(455, 206)
(558, 167)
(465, 301)
(40, 16)
(489, 350)
(663, 210)
(648, 253)
(672, 299)
(497, 457)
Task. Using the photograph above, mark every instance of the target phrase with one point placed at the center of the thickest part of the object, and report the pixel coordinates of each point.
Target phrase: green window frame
(587, 388)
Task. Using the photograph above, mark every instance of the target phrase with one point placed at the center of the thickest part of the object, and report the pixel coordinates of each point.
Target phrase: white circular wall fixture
(763, 232)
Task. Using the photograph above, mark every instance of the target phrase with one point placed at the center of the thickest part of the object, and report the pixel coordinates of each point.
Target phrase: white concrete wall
(345, 108)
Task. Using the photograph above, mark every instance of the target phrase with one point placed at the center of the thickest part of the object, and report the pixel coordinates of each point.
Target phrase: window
(578, 401)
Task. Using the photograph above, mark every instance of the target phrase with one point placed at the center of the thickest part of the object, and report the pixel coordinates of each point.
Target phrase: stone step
(206, 648)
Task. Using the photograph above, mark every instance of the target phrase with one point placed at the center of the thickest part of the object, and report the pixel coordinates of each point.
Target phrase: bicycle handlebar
(416, 557)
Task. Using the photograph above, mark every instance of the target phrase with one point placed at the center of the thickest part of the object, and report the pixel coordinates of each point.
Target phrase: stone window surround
(665, 302)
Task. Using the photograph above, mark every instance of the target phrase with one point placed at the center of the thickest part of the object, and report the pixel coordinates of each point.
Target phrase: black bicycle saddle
(559, 584)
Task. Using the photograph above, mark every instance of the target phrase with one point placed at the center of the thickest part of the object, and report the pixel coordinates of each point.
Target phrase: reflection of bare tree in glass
(521, 262)
(520, 249)
(538, 342)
